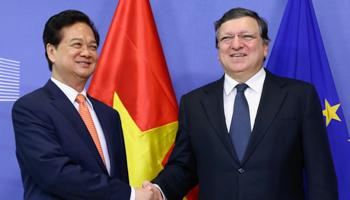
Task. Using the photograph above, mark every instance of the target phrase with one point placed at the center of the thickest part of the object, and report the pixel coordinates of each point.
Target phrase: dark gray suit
(289, 135)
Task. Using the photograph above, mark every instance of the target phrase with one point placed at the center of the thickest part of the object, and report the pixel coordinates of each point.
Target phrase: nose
(236, 43)
(85, 51)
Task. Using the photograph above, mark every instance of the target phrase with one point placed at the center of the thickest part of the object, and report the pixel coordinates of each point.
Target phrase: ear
(266, 49)
(51, 50)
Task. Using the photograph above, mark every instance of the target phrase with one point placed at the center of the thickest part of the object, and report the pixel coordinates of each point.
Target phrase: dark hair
(238, 13)
(52, 32)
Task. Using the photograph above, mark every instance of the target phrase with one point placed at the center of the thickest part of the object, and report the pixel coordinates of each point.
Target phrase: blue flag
(299, 53)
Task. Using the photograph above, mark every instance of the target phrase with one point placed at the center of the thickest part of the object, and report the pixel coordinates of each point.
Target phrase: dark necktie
(240, 124)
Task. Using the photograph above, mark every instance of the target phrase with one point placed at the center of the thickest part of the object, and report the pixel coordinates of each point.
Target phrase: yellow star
(330, 112)
(145, 151)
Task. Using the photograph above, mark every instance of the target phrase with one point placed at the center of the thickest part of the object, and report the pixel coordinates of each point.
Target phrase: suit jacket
(288, 136)
(56, 154)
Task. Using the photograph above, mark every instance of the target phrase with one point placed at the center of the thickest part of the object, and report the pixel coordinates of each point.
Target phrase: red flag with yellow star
(133, 78)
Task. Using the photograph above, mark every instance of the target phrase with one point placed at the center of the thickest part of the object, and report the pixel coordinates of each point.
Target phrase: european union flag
(299, 53)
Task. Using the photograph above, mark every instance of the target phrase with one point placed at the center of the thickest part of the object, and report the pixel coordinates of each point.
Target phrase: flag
(133, 78)
(299, 53)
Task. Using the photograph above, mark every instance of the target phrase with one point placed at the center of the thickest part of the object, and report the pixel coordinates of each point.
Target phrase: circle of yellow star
(330, 112)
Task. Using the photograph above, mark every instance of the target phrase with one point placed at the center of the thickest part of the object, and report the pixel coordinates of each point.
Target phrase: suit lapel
(103, 119)
(213, 105)
(271, 100)
(62, 103)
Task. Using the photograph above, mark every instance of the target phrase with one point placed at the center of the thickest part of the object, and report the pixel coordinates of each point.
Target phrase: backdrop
(187, 34)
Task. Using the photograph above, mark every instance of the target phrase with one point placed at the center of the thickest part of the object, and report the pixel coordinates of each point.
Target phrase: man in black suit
(286, 131)
(58, 157)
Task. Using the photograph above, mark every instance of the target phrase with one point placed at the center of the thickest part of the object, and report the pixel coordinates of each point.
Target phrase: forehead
(238, 25)
(77, 30)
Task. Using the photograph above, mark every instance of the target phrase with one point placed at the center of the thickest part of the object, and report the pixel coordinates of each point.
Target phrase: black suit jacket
(288, 136)
(56, 154)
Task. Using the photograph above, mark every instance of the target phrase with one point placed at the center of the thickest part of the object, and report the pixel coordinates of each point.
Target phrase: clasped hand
(148, 192)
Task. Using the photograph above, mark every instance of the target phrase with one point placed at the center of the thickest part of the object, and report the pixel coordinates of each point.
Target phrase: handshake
(148, 192)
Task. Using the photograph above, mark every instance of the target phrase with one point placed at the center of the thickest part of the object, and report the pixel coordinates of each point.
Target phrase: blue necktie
(240, 124)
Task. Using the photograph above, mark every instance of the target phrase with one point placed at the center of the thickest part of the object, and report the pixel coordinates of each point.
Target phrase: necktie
(85, 115)
(240, 124)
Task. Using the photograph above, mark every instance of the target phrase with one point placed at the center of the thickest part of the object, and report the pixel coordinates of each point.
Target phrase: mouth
(238, 55)
(84, 63)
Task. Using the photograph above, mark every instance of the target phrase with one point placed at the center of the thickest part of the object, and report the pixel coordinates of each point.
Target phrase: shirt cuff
(132, 196)
(164, 197)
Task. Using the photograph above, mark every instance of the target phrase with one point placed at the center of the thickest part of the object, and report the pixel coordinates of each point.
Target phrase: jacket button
(241, 170)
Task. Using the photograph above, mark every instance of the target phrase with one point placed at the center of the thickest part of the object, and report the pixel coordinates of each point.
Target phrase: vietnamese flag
(133, 78)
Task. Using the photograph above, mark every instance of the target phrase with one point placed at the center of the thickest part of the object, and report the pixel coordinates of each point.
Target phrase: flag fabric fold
(132, 77)
(298, 52)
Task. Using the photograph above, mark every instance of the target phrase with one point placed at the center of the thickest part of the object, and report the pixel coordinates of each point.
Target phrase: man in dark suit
(286, 131)
(58, 157)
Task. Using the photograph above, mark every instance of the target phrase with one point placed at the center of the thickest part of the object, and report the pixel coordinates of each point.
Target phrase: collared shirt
(72, 94)
(252, 94)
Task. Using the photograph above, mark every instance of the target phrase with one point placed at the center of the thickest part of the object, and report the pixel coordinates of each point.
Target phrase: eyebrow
(79, 39)
(244, 31)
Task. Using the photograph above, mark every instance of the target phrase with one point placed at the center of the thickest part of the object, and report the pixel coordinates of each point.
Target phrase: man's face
(75, 58)
(241, 59)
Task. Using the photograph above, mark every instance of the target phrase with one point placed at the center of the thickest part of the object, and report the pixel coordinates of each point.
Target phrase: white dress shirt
(72, 94)
(252, 94)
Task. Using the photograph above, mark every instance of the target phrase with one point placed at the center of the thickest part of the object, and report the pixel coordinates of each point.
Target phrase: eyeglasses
(246, 37)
